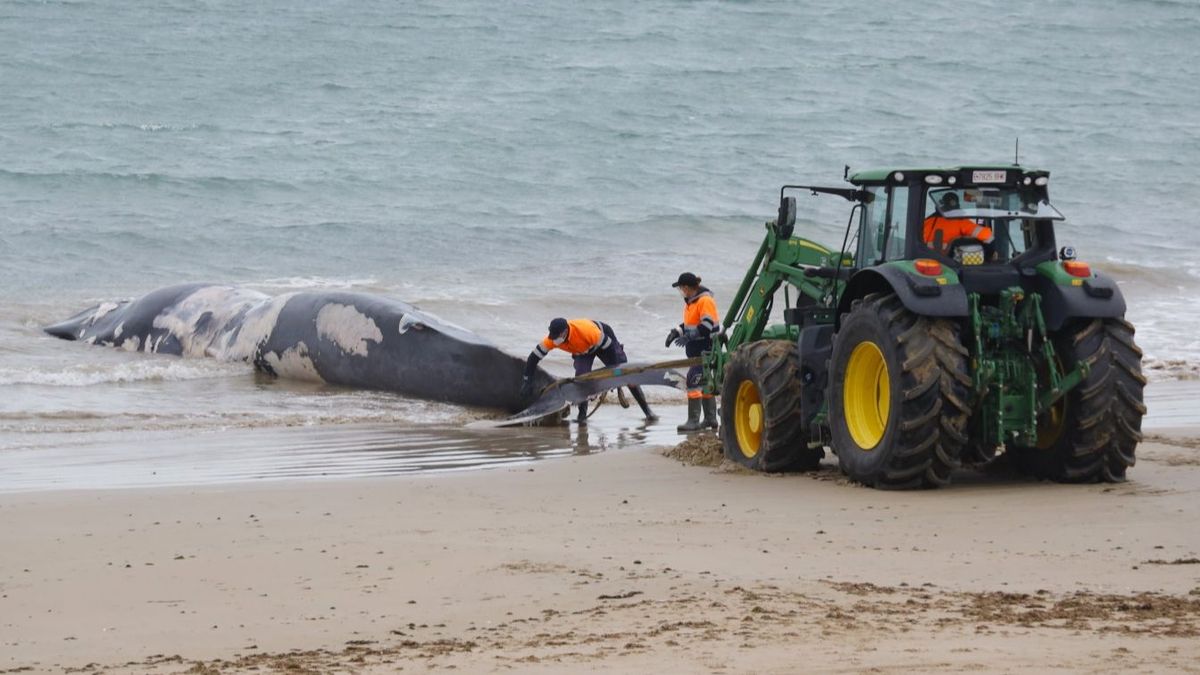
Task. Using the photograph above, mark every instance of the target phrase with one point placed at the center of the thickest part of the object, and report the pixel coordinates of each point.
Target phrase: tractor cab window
(1013, 236)
(984, 224)
(885, 212)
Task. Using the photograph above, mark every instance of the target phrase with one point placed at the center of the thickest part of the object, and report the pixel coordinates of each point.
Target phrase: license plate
(989, 176)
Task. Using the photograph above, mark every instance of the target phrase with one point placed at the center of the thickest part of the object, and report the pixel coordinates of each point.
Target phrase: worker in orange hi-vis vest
(584, 340)
(953, 228)
(700, 322)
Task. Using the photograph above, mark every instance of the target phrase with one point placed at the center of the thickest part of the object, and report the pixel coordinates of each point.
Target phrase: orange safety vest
(701, 309)
(954, 228)
(583, 335)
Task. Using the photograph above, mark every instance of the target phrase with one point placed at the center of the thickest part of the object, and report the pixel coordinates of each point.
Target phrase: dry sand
(626, 561)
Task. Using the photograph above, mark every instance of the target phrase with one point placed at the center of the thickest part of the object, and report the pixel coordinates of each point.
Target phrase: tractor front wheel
(1091, 434)
(761, 424)
(898, 396)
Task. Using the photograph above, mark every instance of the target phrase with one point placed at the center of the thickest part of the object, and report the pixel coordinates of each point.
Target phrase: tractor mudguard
(920, 294)
(815, 345)
(1096, 297)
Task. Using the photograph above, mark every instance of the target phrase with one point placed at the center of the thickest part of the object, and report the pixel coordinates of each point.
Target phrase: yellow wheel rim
(866, 397)
(748, 418)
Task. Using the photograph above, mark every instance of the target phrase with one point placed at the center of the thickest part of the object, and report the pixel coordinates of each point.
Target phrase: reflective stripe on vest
(701, 309)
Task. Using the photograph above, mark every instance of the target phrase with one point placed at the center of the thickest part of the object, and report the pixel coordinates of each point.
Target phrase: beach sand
(622, 561)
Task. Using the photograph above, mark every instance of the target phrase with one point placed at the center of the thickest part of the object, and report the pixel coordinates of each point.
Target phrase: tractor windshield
(997, 223)
(991, 202)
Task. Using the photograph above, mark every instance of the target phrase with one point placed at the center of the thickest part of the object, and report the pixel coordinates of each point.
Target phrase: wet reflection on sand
(125, 459)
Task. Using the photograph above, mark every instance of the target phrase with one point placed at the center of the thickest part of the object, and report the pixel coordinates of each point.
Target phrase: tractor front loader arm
(800, 263)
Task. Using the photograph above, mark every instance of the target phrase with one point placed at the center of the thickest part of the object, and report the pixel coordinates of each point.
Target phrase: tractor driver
(953, 228)
(584, 340)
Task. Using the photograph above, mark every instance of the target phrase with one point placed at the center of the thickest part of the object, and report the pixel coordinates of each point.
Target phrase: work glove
(673, 336)
(686, 336)
(526, 388)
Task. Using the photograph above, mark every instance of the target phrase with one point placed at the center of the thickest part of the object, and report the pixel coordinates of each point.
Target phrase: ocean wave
(1159, 370)
(146, 178)
(135, 371)
(408, 413)
(1159, 271)
(313, 282)
(137, 126)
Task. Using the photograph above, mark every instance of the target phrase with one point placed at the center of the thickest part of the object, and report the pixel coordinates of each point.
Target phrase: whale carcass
(351, 339)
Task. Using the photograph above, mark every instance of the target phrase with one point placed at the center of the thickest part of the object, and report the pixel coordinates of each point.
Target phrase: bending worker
(953, 228)
(583, 339)
(700, 321)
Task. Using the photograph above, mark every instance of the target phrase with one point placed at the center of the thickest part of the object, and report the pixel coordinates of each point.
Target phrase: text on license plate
(989, 176)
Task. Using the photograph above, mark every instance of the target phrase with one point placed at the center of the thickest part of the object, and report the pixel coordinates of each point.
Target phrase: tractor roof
(882, 175)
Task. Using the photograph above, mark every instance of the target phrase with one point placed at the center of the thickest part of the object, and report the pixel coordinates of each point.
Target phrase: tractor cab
(913, 213)
(985, 223)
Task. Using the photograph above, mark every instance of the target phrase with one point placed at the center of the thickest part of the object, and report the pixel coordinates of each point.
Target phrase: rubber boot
(582, 417)
(710, 412)
(693, 420)
(641, 401)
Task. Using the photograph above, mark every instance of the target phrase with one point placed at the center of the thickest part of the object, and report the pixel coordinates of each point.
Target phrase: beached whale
(352, 339)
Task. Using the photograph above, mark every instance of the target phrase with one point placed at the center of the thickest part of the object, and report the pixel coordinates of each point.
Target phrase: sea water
(500, 164)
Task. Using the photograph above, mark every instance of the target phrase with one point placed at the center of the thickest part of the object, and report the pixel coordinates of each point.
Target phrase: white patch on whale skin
(293, 363)
(348, 328)
(222, 304)
(133, 344)
(256, 327)
(103, 310)
(119, 329)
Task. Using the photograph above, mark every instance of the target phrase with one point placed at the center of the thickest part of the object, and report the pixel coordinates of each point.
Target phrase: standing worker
(700, 321)
(583, 339)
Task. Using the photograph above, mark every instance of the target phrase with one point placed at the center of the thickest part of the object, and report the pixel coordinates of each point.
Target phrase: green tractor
(948, 329)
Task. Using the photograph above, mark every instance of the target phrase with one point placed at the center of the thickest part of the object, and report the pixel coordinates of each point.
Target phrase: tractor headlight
(933, 179)
(1041, 181)
(898, 176)
(1026, 181)
(952, 180)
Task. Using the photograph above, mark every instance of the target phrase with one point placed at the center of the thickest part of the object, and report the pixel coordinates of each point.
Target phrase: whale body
(352, 339)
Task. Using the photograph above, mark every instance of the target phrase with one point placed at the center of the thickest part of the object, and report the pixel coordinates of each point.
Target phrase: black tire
(1091, 435)
(977, 454)
(766, 372)
(916, 436)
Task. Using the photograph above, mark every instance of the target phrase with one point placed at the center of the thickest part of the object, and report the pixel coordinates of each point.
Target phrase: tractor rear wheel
(1091, 434)
(898, 396)
(761, 424)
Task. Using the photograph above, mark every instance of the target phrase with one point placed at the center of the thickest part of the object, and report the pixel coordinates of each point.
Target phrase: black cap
(686, 279)
(557, 327)
(948, 199)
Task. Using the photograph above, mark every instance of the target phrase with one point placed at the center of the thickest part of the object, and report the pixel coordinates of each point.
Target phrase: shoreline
(183, 457)
(615, 561)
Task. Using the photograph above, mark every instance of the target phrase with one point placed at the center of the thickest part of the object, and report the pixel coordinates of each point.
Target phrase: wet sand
(622, 561)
